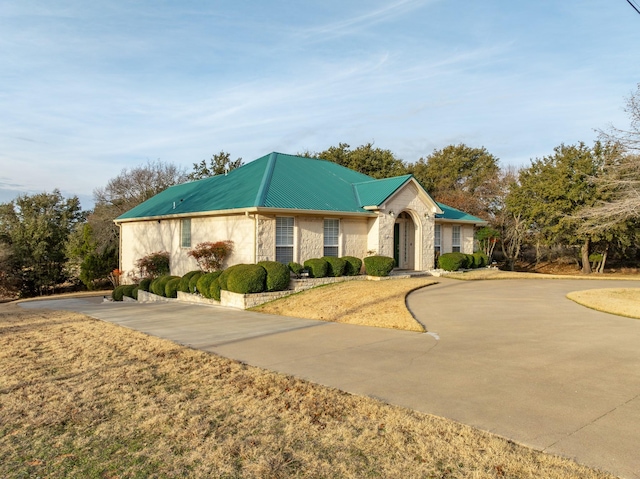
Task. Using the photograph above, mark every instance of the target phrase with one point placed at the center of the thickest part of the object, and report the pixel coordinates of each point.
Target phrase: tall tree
(461, 176)
(367, 159)
(219, 164)
(553, 189)
(33, 231)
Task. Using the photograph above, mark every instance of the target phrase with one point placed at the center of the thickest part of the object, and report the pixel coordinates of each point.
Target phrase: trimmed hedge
(214, 289)
(184, 282)
(225, 276)
(193, 281)
(278, 275)
(379, 265)
(452, 261)
(134, 293)
(296, 268)
(317, 267)
(480, 260)
(144, 284)
(204, 283)
(352, 265)
(158, 284)
(117, 293)
(127, 290)
(171, 288)
(470, 261)
(336, 265)
(246, 279)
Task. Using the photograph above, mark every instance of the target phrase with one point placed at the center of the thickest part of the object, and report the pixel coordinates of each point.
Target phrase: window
(185, 233)
(284, 239)
(437, 242)
(455, 239)
(331, 235)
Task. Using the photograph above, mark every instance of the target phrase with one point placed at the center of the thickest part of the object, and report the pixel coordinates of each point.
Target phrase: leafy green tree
(375, 162)
(86, 261)
(461, 176)
(553, 189)
(33, 232)
(219, 164)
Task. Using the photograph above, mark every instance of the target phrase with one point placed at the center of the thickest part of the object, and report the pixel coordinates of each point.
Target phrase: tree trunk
(604, 260)
(586, 266)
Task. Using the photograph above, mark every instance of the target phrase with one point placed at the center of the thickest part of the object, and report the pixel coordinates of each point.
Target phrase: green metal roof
(450, 213)
(276, 181)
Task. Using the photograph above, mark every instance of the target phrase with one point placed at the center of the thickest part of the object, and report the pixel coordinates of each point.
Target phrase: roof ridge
(408, 175)
(266, 179)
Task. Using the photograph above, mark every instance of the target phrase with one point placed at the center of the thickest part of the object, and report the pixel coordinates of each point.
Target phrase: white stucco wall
(141, 238)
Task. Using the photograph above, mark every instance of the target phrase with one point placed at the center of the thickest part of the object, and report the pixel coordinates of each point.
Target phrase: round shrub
(452, 261)
(352, 265)
(193, 281)
(296, 268)
(480, 260)
(278, 275)
(223, 278)
(214, 289)
(246, 279)
(470, 261)
(144, 284)
(204, 283)
(379, 265)
(336, 265)
(127, 290)
(184, 282)
(134, 293)
(158, 285)
(171, 288)
(117, 293)
(317, 267)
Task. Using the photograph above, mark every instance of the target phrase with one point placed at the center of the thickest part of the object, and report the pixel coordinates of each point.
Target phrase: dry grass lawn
(367, 303)
(81, 398)
(621, 301)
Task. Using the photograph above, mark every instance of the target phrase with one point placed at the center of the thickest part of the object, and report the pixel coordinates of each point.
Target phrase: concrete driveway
(513, 357)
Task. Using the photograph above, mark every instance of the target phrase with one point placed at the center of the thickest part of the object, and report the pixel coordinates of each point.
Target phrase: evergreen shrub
(144, 284)
(246, 279)
(317, 267)
(352, 265)
(452, 261)
(184, 282)
(480, 260)
(470, 261)
(158, 285)
(278, 275)
(127, 290)
(336, 265)
(296, 268)
(117, 293)
(204, 283)
(134, 293)
(193, 281)
(379, 265)
(171, 288)
(225, 276)
(214, 289)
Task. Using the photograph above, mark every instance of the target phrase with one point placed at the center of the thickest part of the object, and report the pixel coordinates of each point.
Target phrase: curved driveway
(513, 357)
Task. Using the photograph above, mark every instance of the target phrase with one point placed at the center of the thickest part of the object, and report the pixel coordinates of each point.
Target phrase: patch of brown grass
(84, 398)
(620, 301)
(367, 303)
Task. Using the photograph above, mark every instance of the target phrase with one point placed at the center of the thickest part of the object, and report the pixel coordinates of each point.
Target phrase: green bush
(171, 288)
(470, 261)
(204, 283)
(336, 265)
(378, 265)
(193, 281)
(595, 257)
(352, 265)
(296, 268)
(480, 260)
(158, 285)
(118, 293)
(214, 289)
(127, 290)
(144, 284)
(225, 276)
(184, 282)
(134, 293)
(278, 275)
(246, 279)
(452, 261)
(317, 267)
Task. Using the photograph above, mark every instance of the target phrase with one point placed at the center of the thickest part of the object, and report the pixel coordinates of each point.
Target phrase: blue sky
(90, 88)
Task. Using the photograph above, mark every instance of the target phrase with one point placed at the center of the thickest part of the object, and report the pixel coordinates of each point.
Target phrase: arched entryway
(404, 241)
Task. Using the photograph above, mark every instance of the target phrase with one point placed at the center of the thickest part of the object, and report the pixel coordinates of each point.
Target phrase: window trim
(325, 245)
(185, 233)
(437, 238)
(279, 237)
(456, 229)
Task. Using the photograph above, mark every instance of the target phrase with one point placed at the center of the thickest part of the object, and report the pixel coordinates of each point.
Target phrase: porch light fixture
(391, 213)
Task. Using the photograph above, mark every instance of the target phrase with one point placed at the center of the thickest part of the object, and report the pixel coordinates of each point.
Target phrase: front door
(396, 243)
(404, 237)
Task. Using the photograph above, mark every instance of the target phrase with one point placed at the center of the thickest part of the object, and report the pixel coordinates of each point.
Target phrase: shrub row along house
(289, 208)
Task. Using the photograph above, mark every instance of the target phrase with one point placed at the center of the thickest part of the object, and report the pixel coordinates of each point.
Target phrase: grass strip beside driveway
(619, 301)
